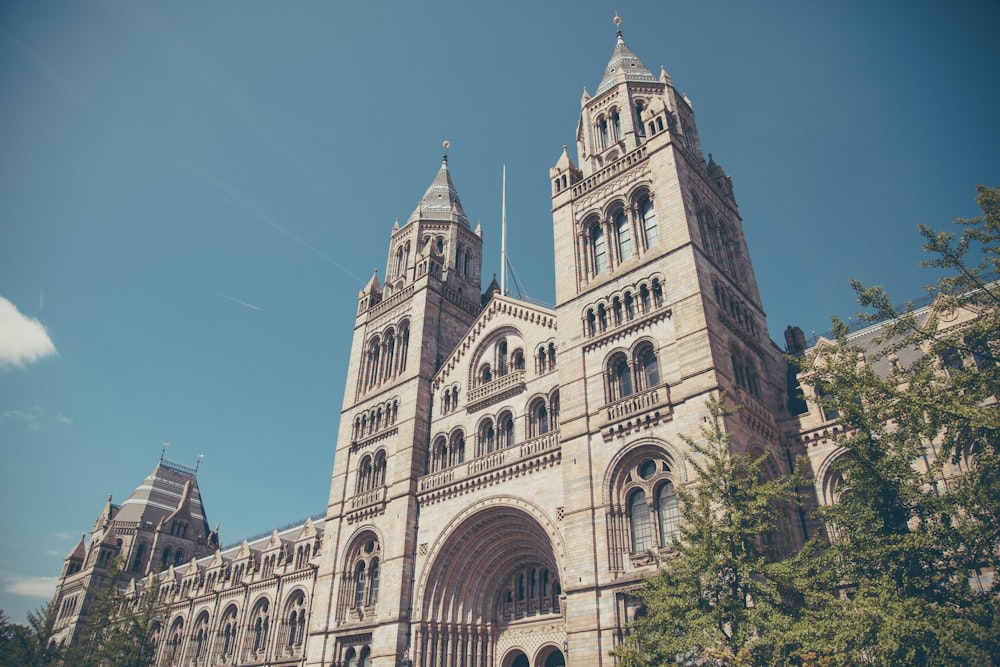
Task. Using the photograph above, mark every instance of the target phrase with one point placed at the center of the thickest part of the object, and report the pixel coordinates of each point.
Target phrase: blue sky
(191, 195)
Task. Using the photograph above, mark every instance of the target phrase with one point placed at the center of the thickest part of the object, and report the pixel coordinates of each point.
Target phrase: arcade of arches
(469, 620)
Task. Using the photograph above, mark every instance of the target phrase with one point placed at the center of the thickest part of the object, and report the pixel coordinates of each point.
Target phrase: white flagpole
(503, 235)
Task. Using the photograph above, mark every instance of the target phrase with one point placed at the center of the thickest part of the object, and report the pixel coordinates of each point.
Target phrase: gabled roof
(500, 307)
(624, 66)
(441, 201)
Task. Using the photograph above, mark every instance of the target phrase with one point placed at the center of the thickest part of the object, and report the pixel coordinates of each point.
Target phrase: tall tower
(402, 331)
(658, 307)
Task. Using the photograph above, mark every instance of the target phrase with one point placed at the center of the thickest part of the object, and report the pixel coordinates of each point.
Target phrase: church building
(505, 473)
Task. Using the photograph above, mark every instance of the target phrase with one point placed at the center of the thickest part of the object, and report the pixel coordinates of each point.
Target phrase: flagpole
(503, 235)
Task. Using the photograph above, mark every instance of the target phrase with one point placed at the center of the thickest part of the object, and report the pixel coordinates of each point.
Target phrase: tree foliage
(919, 490)
(722, 600)
(122, 625)
(896, 579)
(30, 645)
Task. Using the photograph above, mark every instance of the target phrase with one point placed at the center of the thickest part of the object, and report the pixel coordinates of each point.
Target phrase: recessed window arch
(645, 507)
(260, 626)
(599, 248)
(486, 438)
(623, 232)
(647, 215)
(647, 367)
(227, 632)
(364, 478)
(456, 448)
(619, 377)
(294, 620)
(505, 429)
(538, 417)
(361, 575)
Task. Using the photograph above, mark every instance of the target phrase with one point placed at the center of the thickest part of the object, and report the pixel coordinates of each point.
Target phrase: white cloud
(31, 417)
(23, 339)
(64, 419)
(33, 587)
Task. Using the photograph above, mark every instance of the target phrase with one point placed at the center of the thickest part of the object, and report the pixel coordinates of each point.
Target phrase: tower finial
(446, 144)
(163, 452)
(618, 24)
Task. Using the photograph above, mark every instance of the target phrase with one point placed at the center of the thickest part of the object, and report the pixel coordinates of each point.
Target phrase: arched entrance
(493, 580)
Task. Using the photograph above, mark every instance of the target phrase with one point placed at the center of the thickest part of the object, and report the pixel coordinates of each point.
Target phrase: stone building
(505, 472)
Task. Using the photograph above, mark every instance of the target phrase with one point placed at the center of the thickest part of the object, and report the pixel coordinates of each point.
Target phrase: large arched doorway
(493, 579)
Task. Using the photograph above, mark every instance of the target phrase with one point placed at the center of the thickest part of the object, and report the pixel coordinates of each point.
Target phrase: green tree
(31, 645)
(893, 586)
(122, 625)
(722, 600)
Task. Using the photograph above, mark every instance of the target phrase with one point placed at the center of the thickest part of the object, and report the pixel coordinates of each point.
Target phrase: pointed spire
(441, 201)
(624, 65)
(395, 225)
(585, 97)
(79, 552)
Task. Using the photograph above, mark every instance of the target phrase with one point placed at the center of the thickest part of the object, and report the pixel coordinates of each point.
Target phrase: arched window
(361, 574)
(591, 322)
(745, 373)
(602, 125)
(501, 358)
(669, 514)
(140, 551)
(624, 232)
(599, 246)
(404, 344)
(538, 418)
(644, 297)
(228, 632)
(359, 585)
(487, 437)
(378, 470)
(616, 308)
(167, 559)
(485, 375)
(616, 124)
(174, 642)
(260, 624)
(619, 377)
(364, 480)
(552, 356)
(629, 306)
(506, 428)
(648, 369)
(657, 293)
(602, 318)
(456, 450)
(650, 231)
(373, 575)
(517, 360)
(639, 523)
(438, 458)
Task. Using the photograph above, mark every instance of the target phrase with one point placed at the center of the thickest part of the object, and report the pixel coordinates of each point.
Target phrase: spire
(624, 65)
(441, 201)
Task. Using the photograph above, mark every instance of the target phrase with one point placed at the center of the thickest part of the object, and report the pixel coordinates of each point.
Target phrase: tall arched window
(378, 470)
(600, 248)
(359, 585)
(364, 480)
(502, 358)
(538, 418)
(438, 458)
(624, 232)
(260, 624)
(373, 576)
(646, 363)
(639, 523)
(487, 437)
(616, 125)
(228, 632)
(650, 230)
(619, 377)
(506, 424)
(669, 514)
(456, 451)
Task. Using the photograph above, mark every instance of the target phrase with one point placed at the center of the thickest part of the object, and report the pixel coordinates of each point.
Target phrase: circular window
(647, 469)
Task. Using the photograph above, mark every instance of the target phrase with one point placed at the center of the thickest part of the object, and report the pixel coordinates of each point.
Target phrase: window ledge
(636, 411)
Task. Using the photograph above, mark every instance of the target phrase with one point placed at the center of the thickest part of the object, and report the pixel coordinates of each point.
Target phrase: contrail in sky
(235, 300)
(51, 73)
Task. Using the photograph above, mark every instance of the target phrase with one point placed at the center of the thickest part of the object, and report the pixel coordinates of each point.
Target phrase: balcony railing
(634, 410)
(366, 499)
(492, 461)
(610, 171)
(505, 385)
